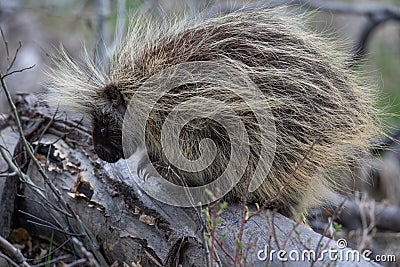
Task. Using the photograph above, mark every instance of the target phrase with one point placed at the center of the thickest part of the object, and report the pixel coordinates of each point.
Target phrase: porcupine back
(314, 98)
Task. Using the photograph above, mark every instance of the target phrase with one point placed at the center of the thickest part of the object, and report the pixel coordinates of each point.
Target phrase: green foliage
(48, 258)
(222, 207)
(386, 61)
(337, 227)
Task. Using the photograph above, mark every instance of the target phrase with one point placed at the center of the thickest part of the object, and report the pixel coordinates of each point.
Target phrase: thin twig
(51, 253)
(63, 257)
(273, 232)
(289, 180)
(318, 248)
(74, 127)
(298, 222)
(15, 57)
(15, 71)
(23, 177)
(84, 253)
(45, 130)
(79, 262)
(54, 228)
(13, 251)
(8, 174)
(9, 260)
(221, 246)
(49, 204)
(213, 237)
(92, 243)
(5, 44)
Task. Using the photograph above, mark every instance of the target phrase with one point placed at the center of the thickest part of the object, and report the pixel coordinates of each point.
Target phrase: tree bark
(129, 226)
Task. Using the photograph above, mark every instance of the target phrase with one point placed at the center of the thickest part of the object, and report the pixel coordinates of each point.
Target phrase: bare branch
(13, 251)
(8, 174)
(84, 253)
(9, 260)
(289, 180)
(45, 130)
(53, 228)
(15, 71)
(15, 57)
(91, 240)
(76, 263)
(376, 13)
(362, 9)
(47, 263)
(52, 252)
(5, 44)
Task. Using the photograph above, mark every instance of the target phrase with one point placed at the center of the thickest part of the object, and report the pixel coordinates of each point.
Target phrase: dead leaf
(150, 220)
(21, 239)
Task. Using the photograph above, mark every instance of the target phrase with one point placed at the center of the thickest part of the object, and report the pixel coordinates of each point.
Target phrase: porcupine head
(319, 118)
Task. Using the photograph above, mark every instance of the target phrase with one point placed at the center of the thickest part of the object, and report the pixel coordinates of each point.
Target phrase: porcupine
(315, 100)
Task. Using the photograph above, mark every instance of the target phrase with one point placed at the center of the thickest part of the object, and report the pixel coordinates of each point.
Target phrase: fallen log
(106, 212)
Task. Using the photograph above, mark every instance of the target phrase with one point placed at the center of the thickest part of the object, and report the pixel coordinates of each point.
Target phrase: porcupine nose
(99, 150)
(106, 154)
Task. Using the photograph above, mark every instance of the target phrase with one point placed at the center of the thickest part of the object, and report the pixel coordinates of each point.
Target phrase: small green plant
(48, 257)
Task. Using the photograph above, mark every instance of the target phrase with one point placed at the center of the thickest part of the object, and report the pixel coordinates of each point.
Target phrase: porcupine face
(107, 139)
(107, 125)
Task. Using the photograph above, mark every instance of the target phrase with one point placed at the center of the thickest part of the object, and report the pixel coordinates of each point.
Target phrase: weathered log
(8, 184)
(126, 225)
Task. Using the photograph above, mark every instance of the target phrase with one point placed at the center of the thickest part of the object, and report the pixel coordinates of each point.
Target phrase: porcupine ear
(111, 94)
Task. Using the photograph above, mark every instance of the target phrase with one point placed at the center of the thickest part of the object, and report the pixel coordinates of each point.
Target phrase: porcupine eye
(103, 131)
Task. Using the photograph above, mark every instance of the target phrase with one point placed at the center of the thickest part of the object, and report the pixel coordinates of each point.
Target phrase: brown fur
(312, 96)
